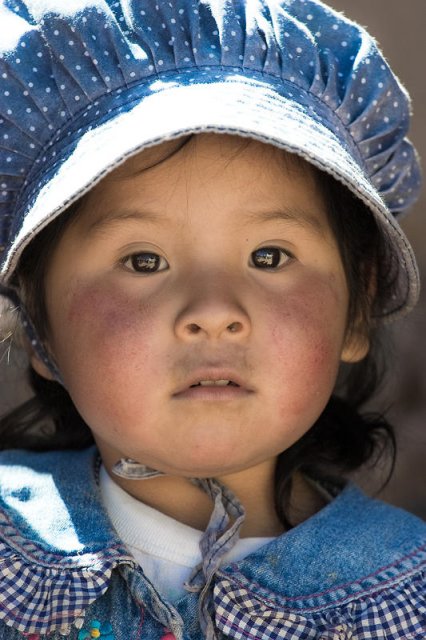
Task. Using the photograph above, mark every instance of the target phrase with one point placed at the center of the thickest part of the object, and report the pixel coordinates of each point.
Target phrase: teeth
(215, 383)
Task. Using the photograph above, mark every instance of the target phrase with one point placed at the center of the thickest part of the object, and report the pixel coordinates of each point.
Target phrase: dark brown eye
(270, 257)
(145, 262)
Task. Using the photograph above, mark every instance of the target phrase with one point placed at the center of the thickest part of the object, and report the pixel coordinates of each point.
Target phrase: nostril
(213, 328)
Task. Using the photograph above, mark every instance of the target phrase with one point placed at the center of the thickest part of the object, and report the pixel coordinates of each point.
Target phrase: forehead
(213, 172)
(219, 150)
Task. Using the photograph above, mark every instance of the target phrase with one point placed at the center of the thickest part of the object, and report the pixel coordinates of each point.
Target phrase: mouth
(214, 383)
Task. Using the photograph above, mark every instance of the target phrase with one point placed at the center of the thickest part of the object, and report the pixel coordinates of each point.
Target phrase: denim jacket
(355, 570)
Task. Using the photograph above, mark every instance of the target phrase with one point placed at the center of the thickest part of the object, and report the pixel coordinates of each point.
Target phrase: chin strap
(220, 536)
(131, 470)
(36, 344)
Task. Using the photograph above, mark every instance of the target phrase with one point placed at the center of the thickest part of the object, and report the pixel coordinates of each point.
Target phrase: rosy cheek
(307, 330)
(105, 333)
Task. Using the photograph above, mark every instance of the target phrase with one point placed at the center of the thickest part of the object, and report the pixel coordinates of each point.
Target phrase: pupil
(267, 257)
(145, 262)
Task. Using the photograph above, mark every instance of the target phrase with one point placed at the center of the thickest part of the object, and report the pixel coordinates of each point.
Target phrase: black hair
(340, 441)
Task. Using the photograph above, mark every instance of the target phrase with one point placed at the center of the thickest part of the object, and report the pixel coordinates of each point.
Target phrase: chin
(216, 468)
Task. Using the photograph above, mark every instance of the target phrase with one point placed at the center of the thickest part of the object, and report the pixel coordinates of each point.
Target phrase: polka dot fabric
(85, 84)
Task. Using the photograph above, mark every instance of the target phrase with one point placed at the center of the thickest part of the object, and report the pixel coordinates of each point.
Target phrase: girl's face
(216, 263)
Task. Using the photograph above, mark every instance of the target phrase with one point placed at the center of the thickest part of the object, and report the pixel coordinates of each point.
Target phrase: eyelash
(148, 262)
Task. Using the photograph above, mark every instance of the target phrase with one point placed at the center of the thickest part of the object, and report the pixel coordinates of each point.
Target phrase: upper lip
(212, 374)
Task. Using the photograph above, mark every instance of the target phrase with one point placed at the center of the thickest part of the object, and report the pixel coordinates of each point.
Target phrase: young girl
(200, 248)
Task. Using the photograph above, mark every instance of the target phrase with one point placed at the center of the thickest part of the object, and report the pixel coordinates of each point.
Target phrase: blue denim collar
(52, 518)
(354, 544)
(48, 547)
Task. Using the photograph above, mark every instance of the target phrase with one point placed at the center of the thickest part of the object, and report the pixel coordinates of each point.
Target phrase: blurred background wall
(399, 28)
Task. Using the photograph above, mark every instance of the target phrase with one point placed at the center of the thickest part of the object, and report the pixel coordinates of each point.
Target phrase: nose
(212, 312)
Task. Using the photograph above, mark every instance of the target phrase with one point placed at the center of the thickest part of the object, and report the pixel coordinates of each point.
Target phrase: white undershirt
(166, 549)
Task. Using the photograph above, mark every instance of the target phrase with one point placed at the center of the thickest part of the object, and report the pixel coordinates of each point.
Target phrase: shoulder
(350, 540)
(369, 526)
(41, 493)
(362, 532)
(23, 458)
(357, 568)
(20, 467)
(52, 500)
(56, 542)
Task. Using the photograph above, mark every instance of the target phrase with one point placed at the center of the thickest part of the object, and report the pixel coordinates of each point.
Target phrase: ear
(356, 346)
(39, 366)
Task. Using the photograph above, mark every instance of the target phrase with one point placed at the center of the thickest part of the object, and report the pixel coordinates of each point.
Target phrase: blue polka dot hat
(84, 84)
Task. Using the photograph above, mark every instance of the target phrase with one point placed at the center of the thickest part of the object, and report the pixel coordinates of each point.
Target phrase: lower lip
(214, 393)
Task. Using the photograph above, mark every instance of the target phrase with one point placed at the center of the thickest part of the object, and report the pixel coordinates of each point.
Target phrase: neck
(178, 498)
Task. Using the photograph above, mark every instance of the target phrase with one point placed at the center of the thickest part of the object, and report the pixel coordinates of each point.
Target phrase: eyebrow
(298, 216)
(112, 218)
(293, 215)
